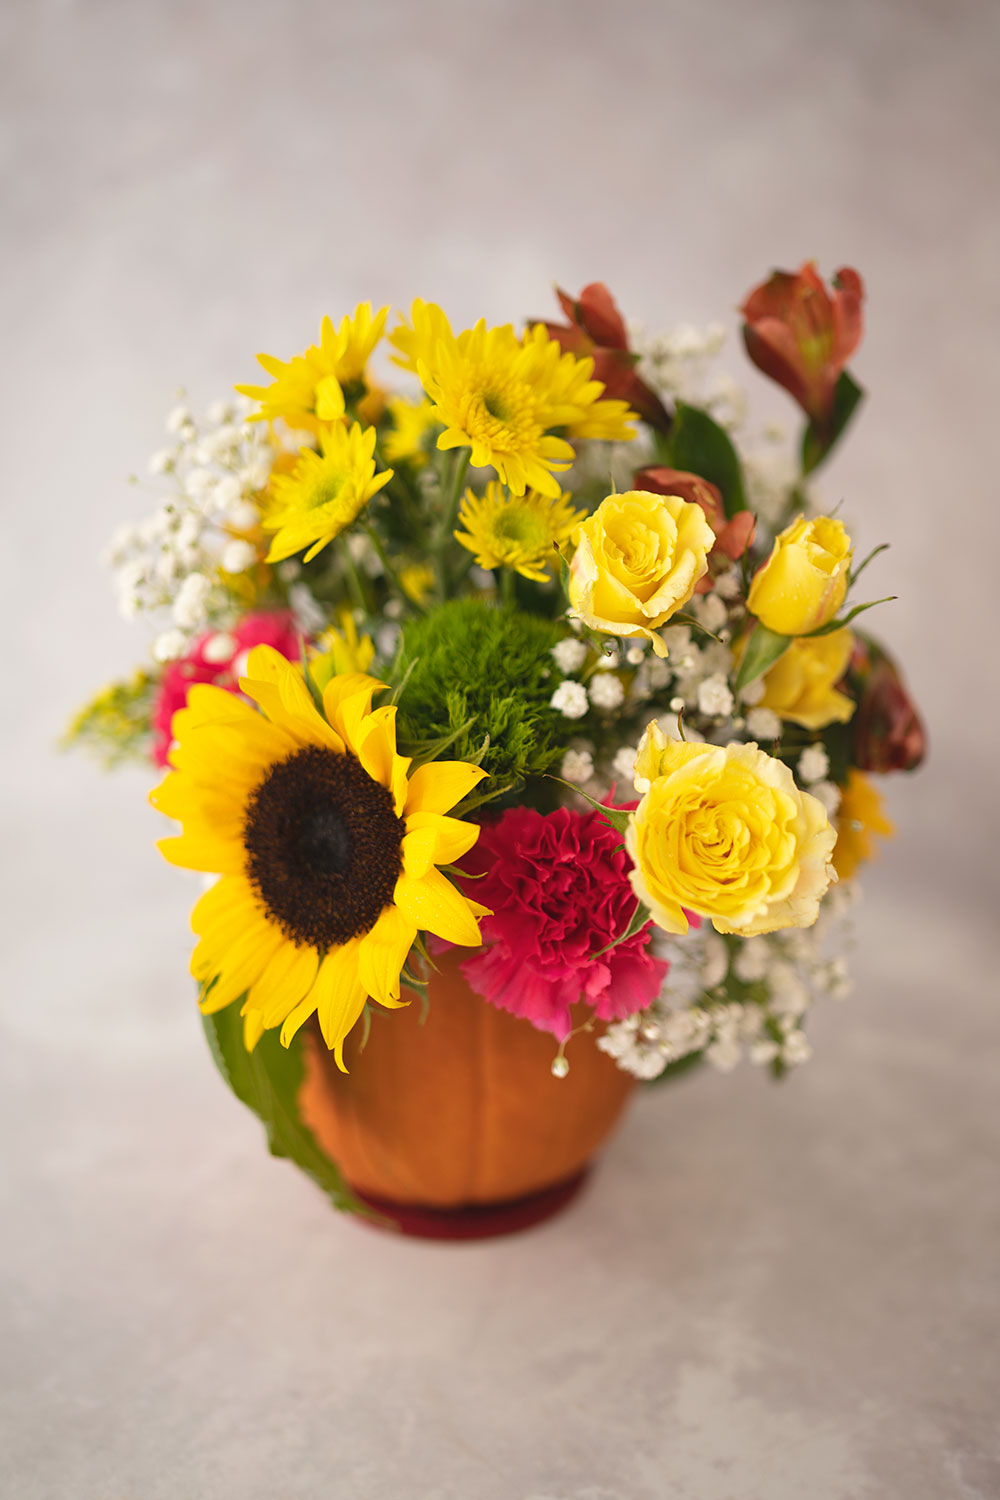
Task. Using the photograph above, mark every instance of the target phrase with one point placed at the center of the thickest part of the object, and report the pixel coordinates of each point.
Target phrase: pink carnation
(277, 630)
(558, 885)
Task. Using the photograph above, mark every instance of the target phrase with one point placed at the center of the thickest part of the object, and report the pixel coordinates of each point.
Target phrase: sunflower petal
(438, 785)
(434, 905)
(280, 690)
(340, 997)
(202, 851)
(382, 954)
(285, 982)
(243, 963)
(375, 744)
(253, 1028)
(347, 699)
(452, 837)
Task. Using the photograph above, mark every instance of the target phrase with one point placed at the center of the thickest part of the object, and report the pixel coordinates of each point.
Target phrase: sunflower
(308, 390)
(504, 397)
(516, 531)
(324, 492)
(326, 846)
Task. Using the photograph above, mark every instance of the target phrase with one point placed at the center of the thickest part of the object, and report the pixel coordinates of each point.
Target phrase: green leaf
(819, 442)
(699, 445)
(762, 651)
(852, 614)
(267, 1081)
(639, 919)
(618, 817)
(856, 574)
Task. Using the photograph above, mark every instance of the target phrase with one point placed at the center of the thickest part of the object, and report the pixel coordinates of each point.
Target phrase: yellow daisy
(326, 846)
(324, 492)
(511, 401)
(308, 391)
(411, 423)
(516, 531)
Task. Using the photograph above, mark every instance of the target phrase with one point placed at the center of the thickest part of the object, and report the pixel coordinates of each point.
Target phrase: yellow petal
(280, 690)
(243, 963)
(383, 953)
(339, 996)
(285, 982)
(216, 856)
(418, 851)
(253, 1028)
(346, 699)
(375, 745)
(298, 1017)
(453, 837)
(434, 905)
(439, 784)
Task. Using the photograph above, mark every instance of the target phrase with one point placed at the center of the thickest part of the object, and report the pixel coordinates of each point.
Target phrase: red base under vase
(453, 1126)
(473, 1221)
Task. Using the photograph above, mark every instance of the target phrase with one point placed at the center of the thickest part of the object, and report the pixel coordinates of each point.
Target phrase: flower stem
(390, 572)
(451, 494)
(354, 583)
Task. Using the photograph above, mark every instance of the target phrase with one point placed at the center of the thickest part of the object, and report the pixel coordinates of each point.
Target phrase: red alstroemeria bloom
(888, 732)
(732, 537)
(802, 335)
(596, 328)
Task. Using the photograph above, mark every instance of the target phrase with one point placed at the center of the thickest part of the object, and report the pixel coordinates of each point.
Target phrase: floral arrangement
(546, 655)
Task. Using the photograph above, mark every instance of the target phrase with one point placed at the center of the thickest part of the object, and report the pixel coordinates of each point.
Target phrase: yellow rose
(637, 560)
(801, 686)
(860, 817)
(725, 832)
(803, 583)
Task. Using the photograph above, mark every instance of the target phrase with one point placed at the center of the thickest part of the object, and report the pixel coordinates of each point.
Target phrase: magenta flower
(217, 658)
(558, 886)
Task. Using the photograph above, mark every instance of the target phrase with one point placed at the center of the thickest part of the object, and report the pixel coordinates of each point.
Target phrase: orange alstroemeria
(596, 328)
(802, 334)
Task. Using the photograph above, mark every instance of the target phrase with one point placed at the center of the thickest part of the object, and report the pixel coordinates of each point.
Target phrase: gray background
(768, 1293)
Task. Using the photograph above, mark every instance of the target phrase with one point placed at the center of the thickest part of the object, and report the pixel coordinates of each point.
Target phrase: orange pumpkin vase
(455, 1126)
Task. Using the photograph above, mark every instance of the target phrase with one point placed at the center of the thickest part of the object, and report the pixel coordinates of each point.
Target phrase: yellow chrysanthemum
(324, 492)
(341, 651)
(308, 390)
(411, 422)
(326, 846)
(512, 401)
(516, 531)
(418, 580)
(860, 818)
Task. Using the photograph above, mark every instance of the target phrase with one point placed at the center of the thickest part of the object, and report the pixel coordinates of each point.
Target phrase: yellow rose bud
(801, 686)
(860, 817)
(803, 583)
(637, 560)
(726, 832)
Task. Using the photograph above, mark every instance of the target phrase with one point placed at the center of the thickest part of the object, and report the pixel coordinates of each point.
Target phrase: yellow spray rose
(803, 583)
(725, 832)
(860, 817)
(637, 560)
(801, 686)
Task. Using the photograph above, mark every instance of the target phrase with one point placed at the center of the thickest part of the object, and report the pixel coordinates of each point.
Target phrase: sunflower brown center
(323, 847)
